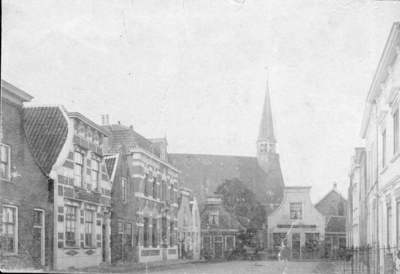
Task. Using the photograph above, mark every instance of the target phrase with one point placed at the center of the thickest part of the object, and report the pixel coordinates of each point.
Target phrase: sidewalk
(132, 267)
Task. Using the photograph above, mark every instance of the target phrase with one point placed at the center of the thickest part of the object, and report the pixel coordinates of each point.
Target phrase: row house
(68, 148)
(333, 205)
(296, 229)
(379, 197)
(123, 216)
(26, 197)
(188, 226)
(155, 192)
(219, 229)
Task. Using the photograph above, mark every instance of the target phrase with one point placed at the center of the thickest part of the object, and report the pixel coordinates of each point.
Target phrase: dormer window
(96, 138)
(81, 130)
(89, 135)
(162, 152)
(214, 217)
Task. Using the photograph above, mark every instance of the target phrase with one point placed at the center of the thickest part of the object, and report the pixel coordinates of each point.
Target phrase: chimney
(334, 185)
(131, 127)
(102, 120)
(119, 122)
(107, 122)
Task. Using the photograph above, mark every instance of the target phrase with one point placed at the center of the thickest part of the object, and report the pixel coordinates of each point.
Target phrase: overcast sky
(197, 71)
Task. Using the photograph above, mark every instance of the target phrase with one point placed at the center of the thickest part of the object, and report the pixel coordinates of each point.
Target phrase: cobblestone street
(239, 267)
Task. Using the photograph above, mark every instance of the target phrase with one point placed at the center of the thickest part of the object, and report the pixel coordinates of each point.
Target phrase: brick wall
(28, 188)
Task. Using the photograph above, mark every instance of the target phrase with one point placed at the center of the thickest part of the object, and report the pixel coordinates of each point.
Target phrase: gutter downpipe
(377, 183)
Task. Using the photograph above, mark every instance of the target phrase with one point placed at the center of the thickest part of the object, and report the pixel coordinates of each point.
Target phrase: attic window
(214, 217)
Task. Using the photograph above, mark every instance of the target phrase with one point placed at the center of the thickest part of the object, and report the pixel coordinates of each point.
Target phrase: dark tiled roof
(46, 129)
(226, 221)
(123, 135)
(111, 165)
(336, 224)
(203, 174)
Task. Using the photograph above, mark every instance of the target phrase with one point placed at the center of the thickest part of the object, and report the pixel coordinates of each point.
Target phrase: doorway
(38, 237)
(296, 253)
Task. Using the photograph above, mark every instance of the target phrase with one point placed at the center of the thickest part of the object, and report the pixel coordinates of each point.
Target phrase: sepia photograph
(229, 136)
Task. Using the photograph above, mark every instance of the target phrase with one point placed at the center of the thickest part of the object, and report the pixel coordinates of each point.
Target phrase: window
(146, 232)
(396, 132)
(78, 168)
(9, 238)
(295, 211)
(312, 240)
(279, 240)
(171, 233)
(154, 233)
(146, 178)
(38, 217)
(120, 229)
(70, 226)
(123, 189)
(164, 229)
(213, 217)
(89, 227)
(154, 188)
(398, 223)
(164, 190)
(4, 161)
(171, 194)
(389, 226)
(95, 174)
(384, 148)
(229, 242)
(129, 234)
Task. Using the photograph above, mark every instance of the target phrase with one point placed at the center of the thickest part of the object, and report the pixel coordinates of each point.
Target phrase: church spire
(266, 133)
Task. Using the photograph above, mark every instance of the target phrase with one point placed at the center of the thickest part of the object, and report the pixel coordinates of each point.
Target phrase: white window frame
(396, 131)
(93, 226)
(42, 227)
(82, 165)
(124, 189)
(76, 225)
(8, 162)
(301, 212)
(210, 219)
(15, 229)
(95, 175)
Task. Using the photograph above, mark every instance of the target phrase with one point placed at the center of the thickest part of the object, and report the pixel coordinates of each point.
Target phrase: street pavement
(239, 267)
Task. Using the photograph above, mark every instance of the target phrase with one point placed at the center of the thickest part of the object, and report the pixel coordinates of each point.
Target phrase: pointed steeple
(266, 133)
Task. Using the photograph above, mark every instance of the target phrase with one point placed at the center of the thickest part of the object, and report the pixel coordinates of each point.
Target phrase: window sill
(71, 247)
(384, 169)
(394, 158)
(89, 247)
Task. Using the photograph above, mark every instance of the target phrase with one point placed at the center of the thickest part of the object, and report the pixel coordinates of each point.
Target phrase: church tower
(266, 143)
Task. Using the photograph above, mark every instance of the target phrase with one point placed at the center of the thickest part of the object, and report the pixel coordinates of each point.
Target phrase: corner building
(68, 148)
(155, 188)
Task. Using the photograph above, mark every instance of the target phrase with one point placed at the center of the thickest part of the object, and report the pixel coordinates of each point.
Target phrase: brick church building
(261, 174)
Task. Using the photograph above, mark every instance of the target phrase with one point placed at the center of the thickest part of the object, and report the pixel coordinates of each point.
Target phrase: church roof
(204, 173)
(266, 132)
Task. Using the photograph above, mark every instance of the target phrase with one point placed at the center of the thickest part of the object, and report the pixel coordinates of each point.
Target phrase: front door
(38, 237)
(218, 247)
(328, 247)
(296, 246)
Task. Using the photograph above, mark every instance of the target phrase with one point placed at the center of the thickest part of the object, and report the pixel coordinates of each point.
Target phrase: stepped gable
(46, 129)
(204, 173)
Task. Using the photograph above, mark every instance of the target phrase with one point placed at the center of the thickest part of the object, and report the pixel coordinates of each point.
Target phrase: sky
(197, 71)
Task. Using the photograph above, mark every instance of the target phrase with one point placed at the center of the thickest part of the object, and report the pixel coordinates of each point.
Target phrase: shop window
(312, 241)
(296, 211)
(70, 225)
(9, 238)
(5, 161)
(280, 241)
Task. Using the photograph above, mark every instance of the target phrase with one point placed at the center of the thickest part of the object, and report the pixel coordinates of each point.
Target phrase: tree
(242, 203)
